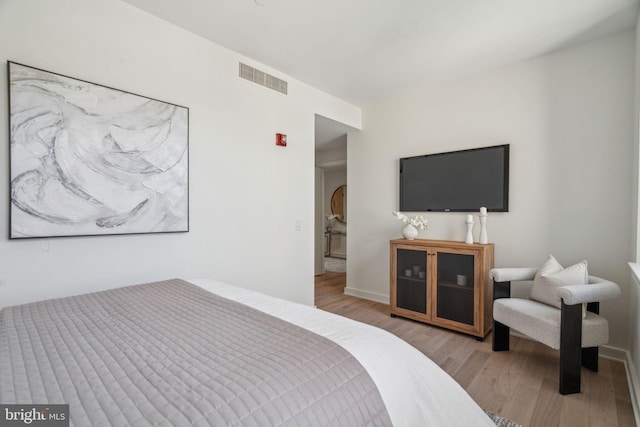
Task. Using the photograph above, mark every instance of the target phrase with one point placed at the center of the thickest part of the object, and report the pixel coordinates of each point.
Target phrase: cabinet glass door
(411, 280)
(455, 287)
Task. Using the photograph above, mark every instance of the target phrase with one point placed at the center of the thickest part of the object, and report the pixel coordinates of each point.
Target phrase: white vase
(483, 229)
(409, 232)
(469, 238)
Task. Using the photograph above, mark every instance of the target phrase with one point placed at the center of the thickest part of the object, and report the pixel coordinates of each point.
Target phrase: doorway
(331, 210)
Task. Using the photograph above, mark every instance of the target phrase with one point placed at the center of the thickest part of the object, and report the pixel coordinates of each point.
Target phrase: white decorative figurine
(469, 223)
(483, 226)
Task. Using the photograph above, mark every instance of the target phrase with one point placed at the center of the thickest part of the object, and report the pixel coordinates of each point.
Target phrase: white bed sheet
(416, 391)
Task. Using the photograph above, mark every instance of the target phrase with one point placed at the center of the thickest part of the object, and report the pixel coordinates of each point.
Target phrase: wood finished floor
(521, 384)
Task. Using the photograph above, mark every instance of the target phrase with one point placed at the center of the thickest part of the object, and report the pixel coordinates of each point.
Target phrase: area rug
(502, 421)
(337, 265)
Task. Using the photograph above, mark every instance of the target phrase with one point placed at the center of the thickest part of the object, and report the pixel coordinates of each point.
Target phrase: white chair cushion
(552, 276)
(542, 322)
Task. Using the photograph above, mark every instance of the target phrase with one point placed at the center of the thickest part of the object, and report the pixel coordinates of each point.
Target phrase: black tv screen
(457, 181)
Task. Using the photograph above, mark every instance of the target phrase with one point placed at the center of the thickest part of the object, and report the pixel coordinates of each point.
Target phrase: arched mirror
(339, 203)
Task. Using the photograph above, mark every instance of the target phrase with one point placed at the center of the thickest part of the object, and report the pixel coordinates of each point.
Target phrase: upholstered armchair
(575, 327)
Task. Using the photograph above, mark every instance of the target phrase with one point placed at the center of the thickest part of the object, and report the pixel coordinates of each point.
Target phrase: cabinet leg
(393, 315)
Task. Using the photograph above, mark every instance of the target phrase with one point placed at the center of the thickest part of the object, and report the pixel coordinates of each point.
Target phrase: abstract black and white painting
(91, 160)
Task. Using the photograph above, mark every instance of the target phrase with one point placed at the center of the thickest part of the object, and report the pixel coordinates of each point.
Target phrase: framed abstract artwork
(87, 159)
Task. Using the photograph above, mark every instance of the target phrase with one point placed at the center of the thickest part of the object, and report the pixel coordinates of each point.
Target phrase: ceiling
(365, 50)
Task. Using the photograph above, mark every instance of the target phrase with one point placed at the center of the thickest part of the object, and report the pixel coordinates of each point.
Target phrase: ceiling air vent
(260, 77)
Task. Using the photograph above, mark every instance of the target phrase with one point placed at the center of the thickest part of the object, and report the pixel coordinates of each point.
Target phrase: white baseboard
(372, 296)
(613, 353)
(634, 385)
(338, 254)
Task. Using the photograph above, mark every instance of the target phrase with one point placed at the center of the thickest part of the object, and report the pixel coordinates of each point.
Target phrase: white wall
(246, 194)
(334, 156)
(633, 362)
(634, 300)
(568, 117)
(318, 258)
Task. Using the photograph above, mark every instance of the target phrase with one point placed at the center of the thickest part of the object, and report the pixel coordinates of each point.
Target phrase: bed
(201, 352)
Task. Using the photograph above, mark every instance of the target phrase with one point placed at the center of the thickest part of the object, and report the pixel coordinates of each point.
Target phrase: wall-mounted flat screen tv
(456, 181)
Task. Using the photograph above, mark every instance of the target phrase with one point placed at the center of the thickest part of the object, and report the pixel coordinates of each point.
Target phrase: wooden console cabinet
(443, 283)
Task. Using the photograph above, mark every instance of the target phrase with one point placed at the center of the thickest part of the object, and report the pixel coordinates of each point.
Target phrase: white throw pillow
(551, 276)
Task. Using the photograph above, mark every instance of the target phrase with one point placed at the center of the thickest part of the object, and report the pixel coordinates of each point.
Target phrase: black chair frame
(572, 355)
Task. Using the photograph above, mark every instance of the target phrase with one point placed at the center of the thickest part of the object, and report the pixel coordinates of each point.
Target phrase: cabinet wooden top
(442, 243)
